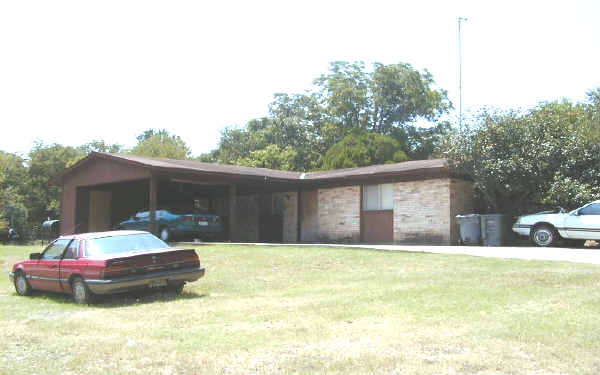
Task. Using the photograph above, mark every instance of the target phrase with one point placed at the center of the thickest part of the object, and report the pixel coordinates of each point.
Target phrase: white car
(545, 228)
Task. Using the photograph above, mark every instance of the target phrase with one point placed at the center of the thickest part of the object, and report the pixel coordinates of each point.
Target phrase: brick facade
(424, 211)
(339, 214)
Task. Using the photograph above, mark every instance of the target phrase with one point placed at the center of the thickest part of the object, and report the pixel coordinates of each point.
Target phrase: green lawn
(301, 310)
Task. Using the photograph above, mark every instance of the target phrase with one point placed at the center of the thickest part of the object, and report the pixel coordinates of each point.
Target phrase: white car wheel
(543, 235)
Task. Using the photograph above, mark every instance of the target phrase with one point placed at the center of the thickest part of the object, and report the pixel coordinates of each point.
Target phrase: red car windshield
(124, 244)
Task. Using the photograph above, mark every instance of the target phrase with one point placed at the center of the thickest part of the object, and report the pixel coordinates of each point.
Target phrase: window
(378, 197)
(592, 209)
(72, 252)
(123, 244)
(55, 250)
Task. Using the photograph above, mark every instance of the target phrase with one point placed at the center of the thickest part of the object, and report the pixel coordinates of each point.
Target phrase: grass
(298, 310)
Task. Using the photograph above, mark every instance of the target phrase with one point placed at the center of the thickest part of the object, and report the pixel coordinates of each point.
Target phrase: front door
(377, 226)
(585, 224)
(45, 274)
(377, 216)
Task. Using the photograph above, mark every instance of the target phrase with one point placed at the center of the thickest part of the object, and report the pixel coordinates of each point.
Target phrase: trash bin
(493, 229)
(469, 229)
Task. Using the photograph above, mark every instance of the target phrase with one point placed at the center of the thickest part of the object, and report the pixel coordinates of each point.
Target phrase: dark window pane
(592, 209)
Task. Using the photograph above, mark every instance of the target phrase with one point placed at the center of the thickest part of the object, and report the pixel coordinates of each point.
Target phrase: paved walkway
(583, 255)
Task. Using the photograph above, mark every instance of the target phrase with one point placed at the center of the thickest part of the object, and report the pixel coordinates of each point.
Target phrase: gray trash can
(469, 229)
(493, 229)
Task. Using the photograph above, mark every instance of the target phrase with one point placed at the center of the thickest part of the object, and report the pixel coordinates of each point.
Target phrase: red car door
(69, 264)
(46, 271)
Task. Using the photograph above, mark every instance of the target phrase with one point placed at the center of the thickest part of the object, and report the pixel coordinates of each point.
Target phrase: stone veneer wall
(422, 212)
(339, 214)
(290, 215)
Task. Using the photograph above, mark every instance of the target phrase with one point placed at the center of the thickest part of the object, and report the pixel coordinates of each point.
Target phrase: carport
(104, 189)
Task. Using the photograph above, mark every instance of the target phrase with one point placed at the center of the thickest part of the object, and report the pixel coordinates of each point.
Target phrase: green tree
(13, 178)
(46, 162)
(362, 149)
(100, 146)
(161, 144)
(387, 100)
(271, 157)
(13, 213)
(519, 161)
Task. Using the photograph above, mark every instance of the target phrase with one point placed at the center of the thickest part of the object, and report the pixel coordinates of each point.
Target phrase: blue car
(170, 224)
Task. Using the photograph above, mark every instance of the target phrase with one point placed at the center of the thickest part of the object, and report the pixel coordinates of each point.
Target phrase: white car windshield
(124, 244)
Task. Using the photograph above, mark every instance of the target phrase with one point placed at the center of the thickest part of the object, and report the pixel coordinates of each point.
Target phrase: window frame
(380, 199)
(62, 253)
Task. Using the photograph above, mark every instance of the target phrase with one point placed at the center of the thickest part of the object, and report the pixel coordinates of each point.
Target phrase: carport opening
(103, 207)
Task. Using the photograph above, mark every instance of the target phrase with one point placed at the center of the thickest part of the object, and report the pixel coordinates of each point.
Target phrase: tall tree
(362, 149)
(520, 161)
(13, 179)
(99, 145)
(161, 144)
(386, 100)
(46, 162)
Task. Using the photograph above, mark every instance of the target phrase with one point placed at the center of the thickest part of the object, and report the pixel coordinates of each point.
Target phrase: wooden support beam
(299, 216)
(153, 197)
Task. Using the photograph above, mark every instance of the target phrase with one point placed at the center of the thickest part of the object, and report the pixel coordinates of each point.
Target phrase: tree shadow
(143, 297)
(139, 297)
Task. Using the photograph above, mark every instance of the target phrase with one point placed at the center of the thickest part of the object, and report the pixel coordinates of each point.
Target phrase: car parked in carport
(171, 223)
(547, 228)
(88, 264)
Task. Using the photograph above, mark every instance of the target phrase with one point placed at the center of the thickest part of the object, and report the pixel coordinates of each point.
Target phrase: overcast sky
(74, 71)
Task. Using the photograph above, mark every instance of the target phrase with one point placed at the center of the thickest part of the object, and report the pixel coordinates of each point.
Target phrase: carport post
(232, 204)
(152, 204)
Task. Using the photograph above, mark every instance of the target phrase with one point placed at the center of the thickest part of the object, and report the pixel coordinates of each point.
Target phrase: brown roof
(379, 170)
(197, 166)
(413, 169)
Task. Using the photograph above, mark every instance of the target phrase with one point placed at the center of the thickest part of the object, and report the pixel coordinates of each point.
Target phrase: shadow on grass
(121, 299)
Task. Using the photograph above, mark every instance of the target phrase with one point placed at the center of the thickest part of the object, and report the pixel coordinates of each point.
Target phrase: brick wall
(339, 214)
(422, 212)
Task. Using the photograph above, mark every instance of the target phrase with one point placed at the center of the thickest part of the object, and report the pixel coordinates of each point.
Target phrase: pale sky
(74, 71)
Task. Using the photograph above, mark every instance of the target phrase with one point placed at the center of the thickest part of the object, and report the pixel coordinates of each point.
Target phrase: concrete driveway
(583, 255)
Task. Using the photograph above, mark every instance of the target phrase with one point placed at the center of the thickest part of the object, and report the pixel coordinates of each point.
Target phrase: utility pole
(460, 19)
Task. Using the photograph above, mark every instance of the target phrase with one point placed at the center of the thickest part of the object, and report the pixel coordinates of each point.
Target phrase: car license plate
(203, 223)
(157, 284)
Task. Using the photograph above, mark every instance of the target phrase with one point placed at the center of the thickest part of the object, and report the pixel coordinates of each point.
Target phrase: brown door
(377, 226)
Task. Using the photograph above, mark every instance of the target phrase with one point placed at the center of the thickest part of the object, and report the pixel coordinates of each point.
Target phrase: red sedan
(88, 264)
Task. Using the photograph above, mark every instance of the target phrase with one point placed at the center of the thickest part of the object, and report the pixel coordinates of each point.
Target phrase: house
(410, 202)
